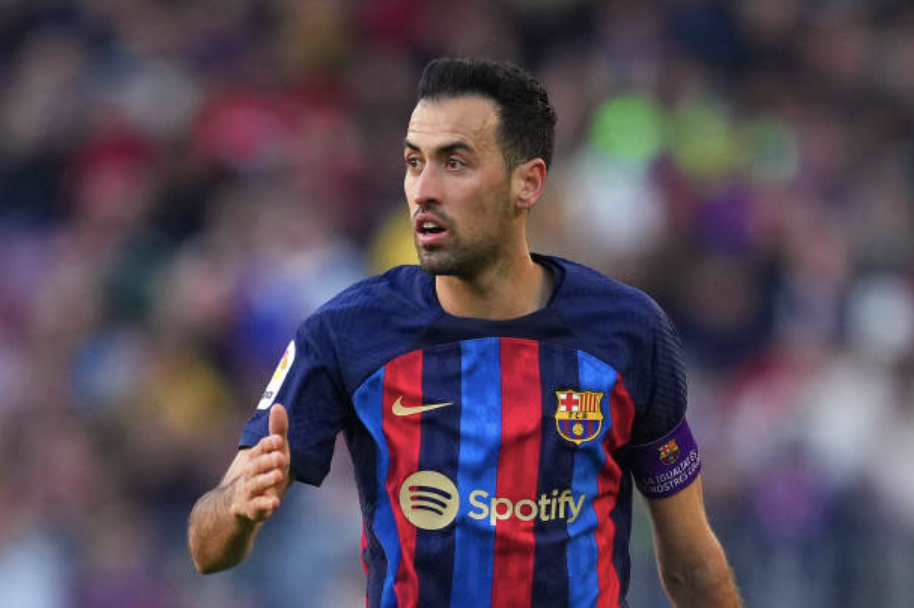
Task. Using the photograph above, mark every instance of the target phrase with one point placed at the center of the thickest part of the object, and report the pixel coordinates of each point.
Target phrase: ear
(528, 181)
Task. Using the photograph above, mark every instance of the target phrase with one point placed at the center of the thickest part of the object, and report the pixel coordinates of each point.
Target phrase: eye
(413, 163)
(454, 162)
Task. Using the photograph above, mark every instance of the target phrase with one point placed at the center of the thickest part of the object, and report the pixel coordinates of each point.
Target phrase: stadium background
(181, 182)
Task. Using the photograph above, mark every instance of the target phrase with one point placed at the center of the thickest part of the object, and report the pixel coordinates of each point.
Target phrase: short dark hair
(526, 119)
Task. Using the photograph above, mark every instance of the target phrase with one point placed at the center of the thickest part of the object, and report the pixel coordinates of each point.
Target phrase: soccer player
(499, 405)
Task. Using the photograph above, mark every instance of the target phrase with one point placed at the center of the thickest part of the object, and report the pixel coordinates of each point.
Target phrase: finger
(255, 450)
(270, 443)
(266, 445)
(275, 460)
(262, 507)
(279, 421)
(271, 480)
(255, 507)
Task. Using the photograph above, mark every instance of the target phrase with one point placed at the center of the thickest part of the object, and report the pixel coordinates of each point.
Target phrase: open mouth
(429, 227)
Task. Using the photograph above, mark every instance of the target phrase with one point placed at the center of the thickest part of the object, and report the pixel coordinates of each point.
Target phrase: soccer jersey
(494, 460)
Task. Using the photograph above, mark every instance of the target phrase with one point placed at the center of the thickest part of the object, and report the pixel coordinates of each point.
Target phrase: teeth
(429, 225)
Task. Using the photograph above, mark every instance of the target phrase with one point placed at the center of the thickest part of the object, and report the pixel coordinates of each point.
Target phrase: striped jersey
(494, 460)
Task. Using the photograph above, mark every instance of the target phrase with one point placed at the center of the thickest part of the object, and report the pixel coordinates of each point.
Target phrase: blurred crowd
(181, 182)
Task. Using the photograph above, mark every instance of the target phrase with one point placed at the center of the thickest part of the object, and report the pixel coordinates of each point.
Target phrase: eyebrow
(441, 150)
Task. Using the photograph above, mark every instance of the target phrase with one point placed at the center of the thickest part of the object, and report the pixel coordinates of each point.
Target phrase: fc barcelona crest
(669, 452)
(578, 416)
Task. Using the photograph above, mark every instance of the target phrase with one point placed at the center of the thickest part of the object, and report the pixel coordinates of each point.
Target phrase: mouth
(429, 230)
(429, 227)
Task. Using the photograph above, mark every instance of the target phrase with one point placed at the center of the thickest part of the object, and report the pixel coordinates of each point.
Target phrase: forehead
(471, 120)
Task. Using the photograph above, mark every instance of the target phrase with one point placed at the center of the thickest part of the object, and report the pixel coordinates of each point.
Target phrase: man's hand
(225, 521)
(264, 477)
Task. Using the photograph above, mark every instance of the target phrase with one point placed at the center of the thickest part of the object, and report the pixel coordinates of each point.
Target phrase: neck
(504, 291)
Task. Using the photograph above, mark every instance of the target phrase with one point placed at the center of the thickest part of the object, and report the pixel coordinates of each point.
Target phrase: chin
(438, 263)
(436, 268)
(456, 261)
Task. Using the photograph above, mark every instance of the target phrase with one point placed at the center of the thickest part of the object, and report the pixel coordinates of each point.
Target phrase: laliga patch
(278, 378)
(668, 465)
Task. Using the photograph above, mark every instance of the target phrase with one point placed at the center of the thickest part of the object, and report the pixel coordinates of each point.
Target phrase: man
(497, 404)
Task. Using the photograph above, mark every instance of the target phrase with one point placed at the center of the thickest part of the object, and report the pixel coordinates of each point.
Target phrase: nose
(424, 187)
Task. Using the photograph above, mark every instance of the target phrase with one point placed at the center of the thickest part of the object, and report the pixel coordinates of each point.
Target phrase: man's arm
(225, 521)
(690, 559)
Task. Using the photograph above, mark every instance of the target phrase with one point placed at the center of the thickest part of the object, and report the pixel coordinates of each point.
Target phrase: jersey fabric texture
(493, 459)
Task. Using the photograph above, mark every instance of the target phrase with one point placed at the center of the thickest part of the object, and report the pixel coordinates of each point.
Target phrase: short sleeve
(666, 395)
(306, 382)
(664, 456)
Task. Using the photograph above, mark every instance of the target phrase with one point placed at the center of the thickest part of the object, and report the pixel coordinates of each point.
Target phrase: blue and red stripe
(440, 452)
(613, 536)
(403, 381)
(559, 370)
(518, 468)
(589, 461)
(481, 428)
(491, 442)
(368, 400)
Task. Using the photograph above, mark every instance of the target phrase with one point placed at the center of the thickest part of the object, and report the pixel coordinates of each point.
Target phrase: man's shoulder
(377, 299)
(368, 323)
(588, 286)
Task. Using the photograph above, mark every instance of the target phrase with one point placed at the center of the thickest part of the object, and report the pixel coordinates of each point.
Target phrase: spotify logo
(429, 500)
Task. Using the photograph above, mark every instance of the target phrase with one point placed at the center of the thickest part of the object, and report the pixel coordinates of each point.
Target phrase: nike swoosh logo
(403, 410)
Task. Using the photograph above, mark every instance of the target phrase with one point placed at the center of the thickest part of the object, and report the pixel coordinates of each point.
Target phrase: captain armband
(666, 466)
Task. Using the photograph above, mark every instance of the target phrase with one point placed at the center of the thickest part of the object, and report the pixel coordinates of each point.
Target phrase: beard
(457, 258)
(467, 255)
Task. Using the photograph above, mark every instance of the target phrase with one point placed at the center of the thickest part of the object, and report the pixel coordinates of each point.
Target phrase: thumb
(279, 421)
